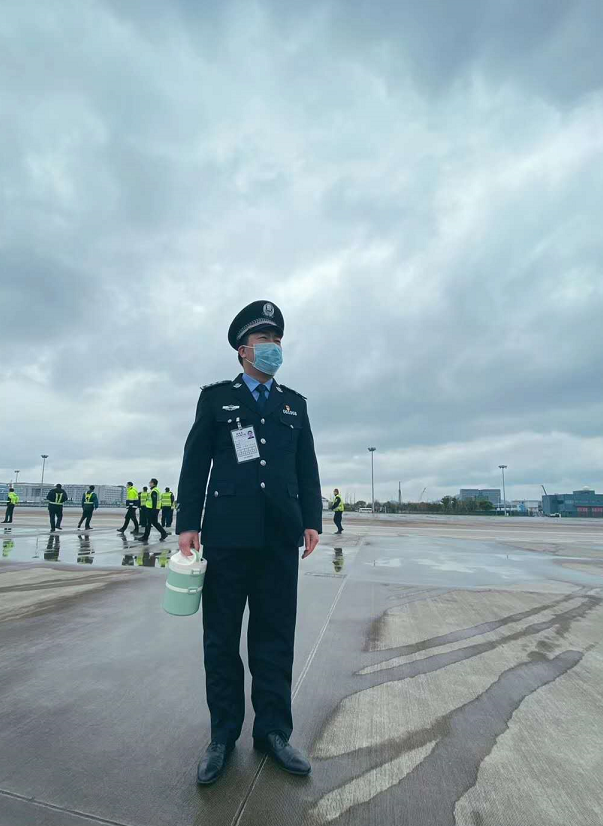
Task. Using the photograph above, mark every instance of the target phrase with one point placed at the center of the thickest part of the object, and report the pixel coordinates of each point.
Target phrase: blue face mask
(268, 357)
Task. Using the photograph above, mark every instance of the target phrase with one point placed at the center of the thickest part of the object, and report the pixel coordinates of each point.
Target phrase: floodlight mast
(372, 452)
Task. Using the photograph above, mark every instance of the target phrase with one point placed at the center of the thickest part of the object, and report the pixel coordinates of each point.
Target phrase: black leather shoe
(213, 763)
(284, 755)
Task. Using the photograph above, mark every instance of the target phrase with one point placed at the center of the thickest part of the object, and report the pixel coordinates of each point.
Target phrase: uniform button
(262, 421)
(229, 421)
(262, 484)
(263, 462)
(263, 441)
(216, 493)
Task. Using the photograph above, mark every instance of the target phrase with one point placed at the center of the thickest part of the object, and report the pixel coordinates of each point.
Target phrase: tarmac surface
(448, 673)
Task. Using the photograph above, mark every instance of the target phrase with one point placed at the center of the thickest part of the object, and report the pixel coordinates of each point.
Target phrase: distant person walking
(56, 499)
(153, 504)
(11, 500)
(339, 507)
(167, 508)
(132, 502)
(144, 513)
(89, 505)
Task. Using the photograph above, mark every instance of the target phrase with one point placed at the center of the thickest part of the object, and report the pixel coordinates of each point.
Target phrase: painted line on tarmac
(75, 812)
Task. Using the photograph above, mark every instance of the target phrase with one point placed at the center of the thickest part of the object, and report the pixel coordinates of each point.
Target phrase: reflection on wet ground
(338, 560)
(103, 547)
(425, 560)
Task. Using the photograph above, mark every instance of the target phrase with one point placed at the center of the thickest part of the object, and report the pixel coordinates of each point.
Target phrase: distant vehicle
(555, 515)
(365, 510)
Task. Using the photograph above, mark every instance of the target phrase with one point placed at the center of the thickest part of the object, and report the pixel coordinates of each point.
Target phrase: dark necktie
(263, 395)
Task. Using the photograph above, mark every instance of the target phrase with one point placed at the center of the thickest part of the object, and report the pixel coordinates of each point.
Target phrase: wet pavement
(447, 672)
(30, 539)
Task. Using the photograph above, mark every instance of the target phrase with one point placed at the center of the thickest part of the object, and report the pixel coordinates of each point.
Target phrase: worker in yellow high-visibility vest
(144, 495)
(56, 498)
(11, 500)
(132, 502)
(89, 505)
(167, 508)
(338, 507)
(153, 504)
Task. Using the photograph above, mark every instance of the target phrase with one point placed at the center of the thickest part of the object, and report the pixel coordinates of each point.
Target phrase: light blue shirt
(252, 384)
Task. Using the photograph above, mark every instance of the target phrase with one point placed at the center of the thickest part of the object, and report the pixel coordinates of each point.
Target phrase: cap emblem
(268, 310)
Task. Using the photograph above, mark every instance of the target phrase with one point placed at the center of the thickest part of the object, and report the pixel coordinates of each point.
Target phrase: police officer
(338, 507)
(263, 502)
(152, 505)
(144, 495)
(131, 504)
(167, 508)
(11, 500)
(56, 499)
(89, 505)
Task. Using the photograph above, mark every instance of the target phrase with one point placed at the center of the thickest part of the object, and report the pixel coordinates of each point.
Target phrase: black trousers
(143, 516)
(56, 516)
(266, 578)
(8, 516)
(166, 516)
(152, 514)
(87, 511)
(337, 516)
(131, 515)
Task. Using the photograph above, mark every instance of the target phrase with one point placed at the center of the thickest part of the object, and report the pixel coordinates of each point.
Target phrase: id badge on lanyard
(245, 443)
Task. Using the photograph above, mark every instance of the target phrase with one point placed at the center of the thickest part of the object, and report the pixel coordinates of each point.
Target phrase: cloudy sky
(419, 187)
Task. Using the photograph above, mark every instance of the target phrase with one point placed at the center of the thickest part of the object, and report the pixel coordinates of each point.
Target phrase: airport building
(486, 494)
(532, 506)
(583, 502)
(29, 492)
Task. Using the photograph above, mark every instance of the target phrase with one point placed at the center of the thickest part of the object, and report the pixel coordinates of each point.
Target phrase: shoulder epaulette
(215, 384)
(291, 390)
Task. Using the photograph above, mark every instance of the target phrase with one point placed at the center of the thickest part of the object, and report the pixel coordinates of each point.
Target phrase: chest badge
(230, 407)
(288, 410)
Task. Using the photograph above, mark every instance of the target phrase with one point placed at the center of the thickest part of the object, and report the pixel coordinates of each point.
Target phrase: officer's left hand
(311, 538)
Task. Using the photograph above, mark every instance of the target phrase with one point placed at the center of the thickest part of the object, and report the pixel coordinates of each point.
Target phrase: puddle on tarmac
(429, 563)
(102, 548)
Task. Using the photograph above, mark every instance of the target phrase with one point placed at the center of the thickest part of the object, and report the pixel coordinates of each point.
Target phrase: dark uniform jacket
(93, 502)
(55, 494)
(282, 486)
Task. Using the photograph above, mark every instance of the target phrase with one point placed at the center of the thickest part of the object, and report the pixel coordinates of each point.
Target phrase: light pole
(372, 452)
(17, 472)
(44, 457)
(400, 494)
(502, 468)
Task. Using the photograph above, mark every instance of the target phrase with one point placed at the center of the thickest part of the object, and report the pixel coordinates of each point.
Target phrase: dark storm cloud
(417, 186)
